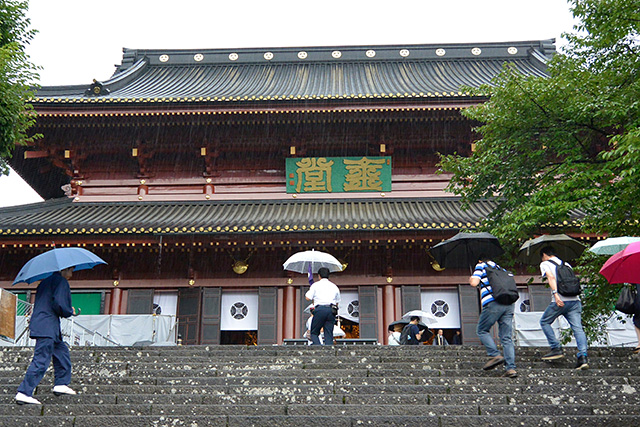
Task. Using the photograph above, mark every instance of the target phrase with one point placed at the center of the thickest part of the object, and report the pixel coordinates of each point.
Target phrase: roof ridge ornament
(96, 88)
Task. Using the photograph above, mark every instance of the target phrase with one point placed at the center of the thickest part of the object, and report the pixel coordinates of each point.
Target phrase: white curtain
(349, 307)
(239, 311)
(523, 305)
(444, 305)
(168, 302)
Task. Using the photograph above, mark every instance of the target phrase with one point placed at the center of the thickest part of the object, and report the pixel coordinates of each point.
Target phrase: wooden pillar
(289, 315)
(116, 301)
(388, 310)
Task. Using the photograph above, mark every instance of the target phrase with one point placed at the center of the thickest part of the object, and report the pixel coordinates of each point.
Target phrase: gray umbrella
(565, 247)
(463, 249)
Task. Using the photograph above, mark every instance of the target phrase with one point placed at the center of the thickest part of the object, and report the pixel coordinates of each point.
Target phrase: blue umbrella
(44, 265)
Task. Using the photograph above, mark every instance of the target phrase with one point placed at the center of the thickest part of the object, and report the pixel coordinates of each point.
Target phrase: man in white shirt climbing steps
(324, 295)
(568, 306)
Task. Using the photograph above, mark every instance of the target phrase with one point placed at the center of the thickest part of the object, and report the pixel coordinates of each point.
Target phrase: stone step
(512, 388)
(486, 377)
(303, 409)
(222, 351)
(363, 400)
(343, 421)
(560, 376)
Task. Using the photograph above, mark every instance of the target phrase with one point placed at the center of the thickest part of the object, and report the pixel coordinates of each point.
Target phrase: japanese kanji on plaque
(338, 174)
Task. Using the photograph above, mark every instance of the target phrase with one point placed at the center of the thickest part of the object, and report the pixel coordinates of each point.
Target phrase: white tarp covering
(444, 305)
(105, 329)
(349, 307)
(621, 334)
(528, 332)
(239, 311)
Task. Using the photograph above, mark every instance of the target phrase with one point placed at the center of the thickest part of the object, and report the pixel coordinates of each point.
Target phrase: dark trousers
(322, 318)
(45, 350)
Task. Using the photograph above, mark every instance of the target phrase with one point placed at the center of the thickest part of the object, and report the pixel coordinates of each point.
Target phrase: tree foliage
(564, 151)
(17, 75)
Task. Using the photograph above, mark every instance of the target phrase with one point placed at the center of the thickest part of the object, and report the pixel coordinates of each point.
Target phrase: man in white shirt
(323, 293)
(561, 305)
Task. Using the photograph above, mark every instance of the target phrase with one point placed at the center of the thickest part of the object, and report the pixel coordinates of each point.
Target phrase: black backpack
(568, 283)
(404, 335)
(503, 285)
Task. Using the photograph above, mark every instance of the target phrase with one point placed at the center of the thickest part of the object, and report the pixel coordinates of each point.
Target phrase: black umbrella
(565, 247)
(464, 249)
(403, 322)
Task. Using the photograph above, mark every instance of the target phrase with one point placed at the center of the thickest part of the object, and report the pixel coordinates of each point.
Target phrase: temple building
(196, 173)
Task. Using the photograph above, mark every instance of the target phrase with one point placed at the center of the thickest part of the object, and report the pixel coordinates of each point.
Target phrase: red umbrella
(623, 267)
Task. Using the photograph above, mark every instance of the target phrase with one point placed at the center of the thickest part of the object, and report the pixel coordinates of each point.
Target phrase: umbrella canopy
(402, 323)
(45, 264)
(300, 262)
(623, 267)
(463, 249)
(565, 247)
(612, 245)
(425, 317)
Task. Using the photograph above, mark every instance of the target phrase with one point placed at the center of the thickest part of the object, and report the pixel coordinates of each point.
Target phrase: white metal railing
(99, 330)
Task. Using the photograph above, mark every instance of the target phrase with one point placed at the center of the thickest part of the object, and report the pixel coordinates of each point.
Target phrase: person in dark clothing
(636, 318)
(457, 338)
(53, 301)
(415, 334)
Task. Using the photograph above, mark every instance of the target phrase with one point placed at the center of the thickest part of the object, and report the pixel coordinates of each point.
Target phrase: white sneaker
(62, 389)
(23, 399)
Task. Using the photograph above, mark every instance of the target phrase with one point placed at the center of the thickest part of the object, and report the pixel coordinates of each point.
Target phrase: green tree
(551, 148)
(17, 76)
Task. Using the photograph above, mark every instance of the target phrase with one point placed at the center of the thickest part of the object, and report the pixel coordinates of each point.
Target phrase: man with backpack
(411, 334)
(496, 308)
(565, 288)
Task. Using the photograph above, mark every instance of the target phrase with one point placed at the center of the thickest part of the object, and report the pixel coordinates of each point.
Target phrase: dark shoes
(511, 373)
(493, 362)
(582, 363)
(555, 353)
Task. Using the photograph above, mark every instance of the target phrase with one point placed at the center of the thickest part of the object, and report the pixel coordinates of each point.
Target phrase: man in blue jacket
(53, 301)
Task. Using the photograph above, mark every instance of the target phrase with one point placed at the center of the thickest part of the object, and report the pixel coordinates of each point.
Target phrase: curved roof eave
(420, 72)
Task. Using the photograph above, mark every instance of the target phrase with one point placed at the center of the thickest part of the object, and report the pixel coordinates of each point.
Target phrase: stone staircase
(339, 386)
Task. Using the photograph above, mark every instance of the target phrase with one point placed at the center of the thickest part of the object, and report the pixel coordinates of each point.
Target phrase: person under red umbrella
(624, 267)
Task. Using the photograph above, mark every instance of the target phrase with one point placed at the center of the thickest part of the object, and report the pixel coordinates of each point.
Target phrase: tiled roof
(305, 74)
(64, 217)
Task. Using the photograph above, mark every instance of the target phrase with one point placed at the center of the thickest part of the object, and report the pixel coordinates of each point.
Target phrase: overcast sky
(81, 40)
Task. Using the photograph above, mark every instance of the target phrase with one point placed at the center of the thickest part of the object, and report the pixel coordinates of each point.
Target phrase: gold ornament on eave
(434, 263)
(240, 266)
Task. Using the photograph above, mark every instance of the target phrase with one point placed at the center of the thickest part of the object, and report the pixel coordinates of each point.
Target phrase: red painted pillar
(388, 313)
(289, 316)
(116, 301)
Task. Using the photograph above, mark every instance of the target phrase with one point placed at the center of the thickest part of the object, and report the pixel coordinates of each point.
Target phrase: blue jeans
(572, 311)
(503, 314)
